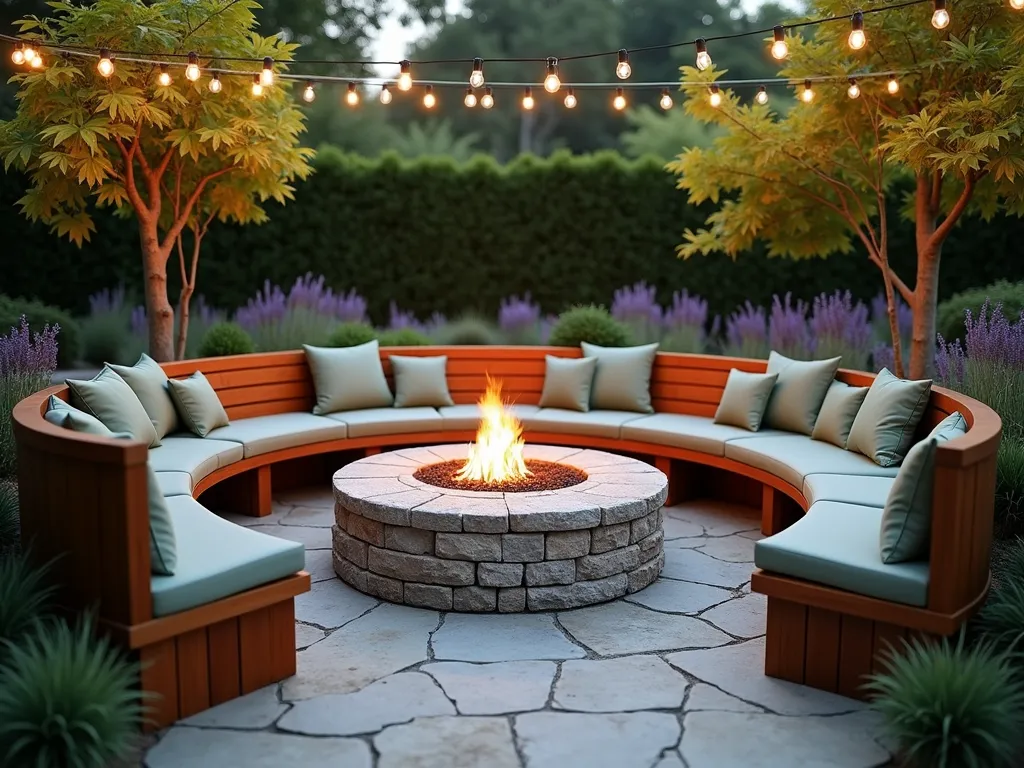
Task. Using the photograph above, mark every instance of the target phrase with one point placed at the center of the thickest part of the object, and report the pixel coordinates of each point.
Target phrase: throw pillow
(348, 378)
(420, 381)
(907, 517)
(744, 399)
(885, 423)
(799, 392)
(842, 402)
(622, 379)
(567, 382)
(149, 383)
(109, 398)
(61, 414)
(198, 405)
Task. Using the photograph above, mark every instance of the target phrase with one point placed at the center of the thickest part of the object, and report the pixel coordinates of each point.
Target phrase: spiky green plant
(67, 698)
(25, 596)
(10, 526)
(950, 706)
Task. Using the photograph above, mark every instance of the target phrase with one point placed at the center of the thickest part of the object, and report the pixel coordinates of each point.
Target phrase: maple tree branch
(164, 162)
(129, 177)
(942, 231)
(183, 216)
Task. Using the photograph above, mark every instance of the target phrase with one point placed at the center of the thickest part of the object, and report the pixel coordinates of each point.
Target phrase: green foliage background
(431, 234)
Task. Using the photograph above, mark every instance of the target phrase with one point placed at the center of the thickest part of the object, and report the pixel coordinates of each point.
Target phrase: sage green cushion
(837, 545)
(681, 430)
(348, 378)
(198, 405)
(149, 383)
(798, 392)
(594, 423)
(884, 428)
(835, 419)
(421, 381)
(744, 399)
(277, 431)
(622, 379)
(467, 417)
(174, 483)
(217, 559)
(108, 398)
(62, 414)
(369, 422)
(907, 519)
(567, 382)
(197, 456)
(868, 490)
(793, 457)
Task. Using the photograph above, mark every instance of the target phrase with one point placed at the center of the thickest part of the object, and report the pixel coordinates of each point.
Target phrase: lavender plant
(880, 321)
(201, 318)
(746, 332)
(106, 333)
(637, 308)
(519, 320)
(840, 328)
(685, 324)
(402, 320)
(27, 361)
(788, 331)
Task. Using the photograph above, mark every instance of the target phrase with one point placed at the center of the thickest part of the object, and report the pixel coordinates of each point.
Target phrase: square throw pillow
(149, 383)
(567, 382)
(907, 517)
(420, 381)
(198, 405)
(348, 378)
(622, 379)
(744, 399)
(842, 402)
(799, 392)
(885, 423)
(61, 414)
(108, 398)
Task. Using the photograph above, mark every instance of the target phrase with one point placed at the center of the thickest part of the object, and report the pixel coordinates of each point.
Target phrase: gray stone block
(651, 546)
(341, 516)
(349, 573)
(577, 594)
(558, 512)
(564, 544)
(522, 547)
(370, 531)
(477, 547)
(605, 538)
(646, 574)
(421, 568)
(512, 600)
(499, 574)
(411, 540)
(348, 547)
(550, 572)
(384, 588)
(624, 511)
(474, 599)
(643, 526)
(429, 596)
(600, 566)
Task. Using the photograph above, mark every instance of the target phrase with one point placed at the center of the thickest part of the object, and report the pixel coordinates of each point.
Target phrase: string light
(105, 66)
(528, 98)
(429, 99)
(857, 39)
(192, 70)
(308, 94)
(622, 69)
(854, 90)
(780, 48)
(257, 86)
(570, 99)
(940, 18)
(215, 83)
(808, 93)
(1017, 5)
(703, 57)
(18, 54)
(30, 53)
(487, 100)
(893, 86)
(714, 96)
(619, 102)
(37, 60)
(352, 95)
(476, 79)
(385, 94)
(470, 100)
(666, 102)
(164, 78)
(762, 95)
(267, 75)
(551, 82)
(405, 75)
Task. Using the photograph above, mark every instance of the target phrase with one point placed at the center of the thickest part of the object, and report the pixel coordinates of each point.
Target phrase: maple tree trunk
(890, 304)
(183, 304)
(926, 290)
(159, 312)
(188, 287)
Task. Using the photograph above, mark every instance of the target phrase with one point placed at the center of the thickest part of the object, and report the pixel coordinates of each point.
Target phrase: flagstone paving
(669, 677)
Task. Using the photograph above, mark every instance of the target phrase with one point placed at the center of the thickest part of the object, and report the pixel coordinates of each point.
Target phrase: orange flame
(497, 454)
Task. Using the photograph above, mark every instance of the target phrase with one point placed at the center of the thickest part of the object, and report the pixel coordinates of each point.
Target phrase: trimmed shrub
(467, 331)
(948, 706)
(39, 316)
(950, 316)
(10, 525)
(592, 324)
(402, 337)
(351, 335)
(25, 598)
(226, 339)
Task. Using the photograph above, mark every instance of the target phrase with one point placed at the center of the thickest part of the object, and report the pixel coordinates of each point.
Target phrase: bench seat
(370, 422)
(866, 490)
(217, 559)
(459, 418)
(837, 545)
(263, 434)
(793, 457)
(198, 456)
(597, 423)
(693, 433)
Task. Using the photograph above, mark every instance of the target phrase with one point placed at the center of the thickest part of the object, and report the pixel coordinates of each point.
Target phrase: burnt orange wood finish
(84, 497)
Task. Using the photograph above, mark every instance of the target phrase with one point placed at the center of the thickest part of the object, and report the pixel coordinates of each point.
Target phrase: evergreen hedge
(432, 235)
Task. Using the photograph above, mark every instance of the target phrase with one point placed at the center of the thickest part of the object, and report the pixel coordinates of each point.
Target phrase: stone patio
(667, 677)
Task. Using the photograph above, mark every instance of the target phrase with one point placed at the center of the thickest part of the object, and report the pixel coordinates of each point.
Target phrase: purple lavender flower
(993, 338)
(950, 362)
(787, 328)
(27, 361)
(840, 328)
(883, 356)
(880, 319)
(519, 320)
(685, 323)
(637, 307)
(746, 332)
(107, 301)
(139, 322)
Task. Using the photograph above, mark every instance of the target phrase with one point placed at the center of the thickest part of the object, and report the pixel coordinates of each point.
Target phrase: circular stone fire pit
(408, 541)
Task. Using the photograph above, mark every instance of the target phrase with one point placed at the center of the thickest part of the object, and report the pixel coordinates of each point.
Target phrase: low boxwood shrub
(403, 337)
(226, 339)
(590, 323)
(351, 335)
(950, 314)
(69, 340)
(467, 331)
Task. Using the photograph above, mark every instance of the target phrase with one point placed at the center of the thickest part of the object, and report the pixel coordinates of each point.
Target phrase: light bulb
(893, 86)
(405, 76)
(267, 75)
(18, 54)
(715, 97)
(487, 100)
(308, 94)
(192, 70)
(105, 66)
(666, 100)
(1017, 5)
(164, 78)
(470, 100)
(622, 69)
(940, 18)
(352, 96)
(780, 49)
(429, 99)
(854, 90)
(570, 99)
(385, 95)
(761, 97)
(215, 84)
(257, 86)
(30, 54)
(476, 79)
(551, 82)
(37, 61)
(703, 57)
(619, 102)
(857, 39)
(808, 93)
(528, 98)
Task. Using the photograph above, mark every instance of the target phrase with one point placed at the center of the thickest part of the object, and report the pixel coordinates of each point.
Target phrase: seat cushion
(694, 433)
(793, 457)
(198, 456)
(174, 483)
(467, 417)
(263, 434)
(837, 545)
(593, 423)
(851, 489)
(217, 559)
(389, 421)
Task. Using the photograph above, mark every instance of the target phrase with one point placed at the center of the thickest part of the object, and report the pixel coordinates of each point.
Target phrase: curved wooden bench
(84, 498)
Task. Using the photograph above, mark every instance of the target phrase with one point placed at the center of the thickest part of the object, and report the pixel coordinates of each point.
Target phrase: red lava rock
(547, 476)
